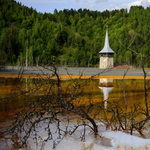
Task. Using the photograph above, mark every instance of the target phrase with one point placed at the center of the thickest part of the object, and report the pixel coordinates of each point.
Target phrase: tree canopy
(70, 37)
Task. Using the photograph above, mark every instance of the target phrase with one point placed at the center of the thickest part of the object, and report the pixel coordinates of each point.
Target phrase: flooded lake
(95, 91)
(99, 89)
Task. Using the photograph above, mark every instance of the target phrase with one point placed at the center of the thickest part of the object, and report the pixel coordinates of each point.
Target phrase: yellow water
(92, 93)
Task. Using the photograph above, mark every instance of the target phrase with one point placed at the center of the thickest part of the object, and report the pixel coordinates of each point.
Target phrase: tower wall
(106, 62)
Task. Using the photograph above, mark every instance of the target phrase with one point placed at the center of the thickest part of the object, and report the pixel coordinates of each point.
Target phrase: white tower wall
(106, 62)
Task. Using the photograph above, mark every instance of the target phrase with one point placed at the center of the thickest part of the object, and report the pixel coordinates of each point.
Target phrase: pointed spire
(106, 48)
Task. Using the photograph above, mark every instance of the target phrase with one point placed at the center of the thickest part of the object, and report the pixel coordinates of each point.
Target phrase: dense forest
(70, 37)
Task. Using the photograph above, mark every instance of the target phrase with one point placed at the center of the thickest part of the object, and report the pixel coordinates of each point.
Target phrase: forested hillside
(70, 37)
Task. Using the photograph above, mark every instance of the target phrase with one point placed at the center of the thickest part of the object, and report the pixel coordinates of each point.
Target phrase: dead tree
(137, 109)
(46, 105)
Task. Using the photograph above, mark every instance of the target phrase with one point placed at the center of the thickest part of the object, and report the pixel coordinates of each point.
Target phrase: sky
(48, 6)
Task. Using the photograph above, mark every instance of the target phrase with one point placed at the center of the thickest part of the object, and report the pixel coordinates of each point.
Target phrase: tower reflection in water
(106, 85)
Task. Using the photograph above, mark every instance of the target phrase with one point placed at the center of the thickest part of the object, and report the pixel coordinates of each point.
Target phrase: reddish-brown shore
(73, 76)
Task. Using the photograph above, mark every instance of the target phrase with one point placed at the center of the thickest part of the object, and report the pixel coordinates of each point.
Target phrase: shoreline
(72, 76)
(73, 72)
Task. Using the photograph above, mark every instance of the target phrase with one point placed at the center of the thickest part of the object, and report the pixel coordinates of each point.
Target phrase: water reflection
(110, 90)
(99, 90)
(106, 85)
(26, 85)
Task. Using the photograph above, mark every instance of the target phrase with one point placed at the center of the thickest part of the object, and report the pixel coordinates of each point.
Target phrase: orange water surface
(113, 87)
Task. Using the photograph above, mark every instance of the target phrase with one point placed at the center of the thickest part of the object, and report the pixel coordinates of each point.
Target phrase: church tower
(106, 54)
